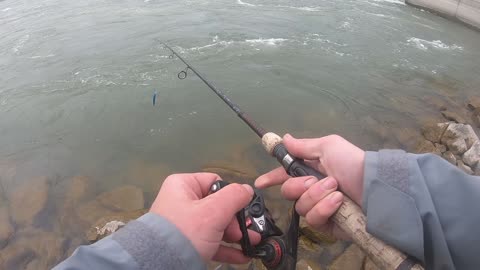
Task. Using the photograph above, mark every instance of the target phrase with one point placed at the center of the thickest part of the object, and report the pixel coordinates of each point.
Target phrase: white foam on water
(240, 2)
(42, 56)
(423, 44)
(266, 41)
(20, 43)
(6, 9)
(346, 25)
(222, 43)
(310, 9)
(400, 2)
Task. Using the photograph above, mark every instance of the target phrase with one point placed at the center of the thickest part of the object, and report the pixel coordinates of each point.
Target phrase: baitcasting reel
(277, 250)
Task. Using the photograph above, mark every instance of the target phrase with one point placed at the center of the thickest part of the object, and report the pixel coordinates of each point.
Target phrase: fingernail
(310, 181)
(336, 197)
(248, 188)
(329, 183)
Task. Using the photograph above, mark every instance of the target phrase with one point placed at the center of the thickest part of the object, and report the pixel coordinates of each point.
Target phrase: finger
(323, 210)
(205, 180)
(304, 148)
(192, 186)
(317, 165)
(233, 234)
(230, 255)
(274, 177)
(293, 188)
(226, 202)
(316, 193)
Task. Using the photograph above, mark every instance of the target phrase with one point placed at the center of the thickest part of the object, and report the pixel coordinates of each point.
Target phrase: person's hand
(317, 198)
(205, 220)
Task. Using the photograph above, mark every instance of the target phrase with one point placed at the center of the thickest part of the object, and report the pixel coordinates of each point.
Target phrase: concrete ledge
(469, 12)
(466, 11)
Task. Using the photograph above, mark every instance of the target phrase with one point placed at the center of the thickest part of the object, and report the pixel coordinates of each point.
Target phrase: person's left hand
(205, 220)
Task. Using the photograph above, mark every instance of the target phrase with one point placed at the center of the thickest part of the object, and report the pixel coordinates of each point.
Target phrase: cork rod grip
(350, 218)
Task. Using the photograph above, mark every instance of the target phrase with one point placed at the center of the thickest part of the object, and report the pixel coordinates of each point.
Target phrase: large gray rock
(440, 148)
(434, 131)
(453, 116)
(110, 224)
(476, 169)
(450, 157)
(28, 200)
(6, 228)
(472, 156)
(464, 167)
(459, 138)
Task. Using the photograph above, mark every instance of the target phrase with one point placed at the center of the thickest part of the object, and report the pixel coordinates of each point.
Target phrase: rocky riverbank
(456, 140)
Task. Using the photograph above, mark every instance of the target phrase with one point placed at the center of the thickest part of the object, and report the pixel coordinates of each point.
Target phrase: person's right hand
(318, 199)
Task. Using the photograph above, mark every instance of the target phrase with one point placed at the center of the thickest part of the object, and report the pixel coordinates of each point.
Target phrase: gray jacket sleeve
(150, 242)
(424, 206)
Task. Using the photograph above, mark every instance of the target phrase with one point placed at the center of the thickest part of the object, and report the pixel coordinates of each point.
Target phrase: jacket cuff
(153, 241)
(391, 211)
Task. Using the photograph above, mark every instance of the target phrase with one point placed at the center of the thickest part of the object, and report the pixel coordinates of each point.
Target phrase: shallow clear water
(78, 78)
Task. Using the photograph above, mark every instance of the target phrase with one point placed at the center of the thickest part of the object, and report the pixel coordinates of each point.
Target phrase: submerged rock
(453, 116)
(125, 198)
(437, 102)
(28, 200)
(121, 199)
(77, 189)
(473, 103)
(110, 224)
(33, 249)
(16, 257)
(424, 146)
(351, 259)
(472, 156)
(307, 265)
(6, 228)
(434, 131)
(464, 167)
(476, 117)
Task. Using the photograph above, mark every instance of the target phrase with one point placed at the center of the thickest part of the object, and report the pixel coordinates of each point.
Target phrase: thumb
(229, 200)
(304, 148)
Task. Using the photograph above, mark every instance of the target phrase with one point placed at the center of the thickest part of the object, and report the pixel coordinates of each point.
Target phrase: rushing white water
(423, 44)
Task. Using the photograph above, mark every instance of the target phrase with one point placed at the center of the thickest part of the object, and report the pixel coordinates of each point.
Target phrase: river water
(78, 79)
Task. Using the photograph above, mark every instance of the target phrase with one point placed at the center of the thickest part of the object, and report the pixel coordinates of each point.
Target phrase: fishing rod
(278, 250)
